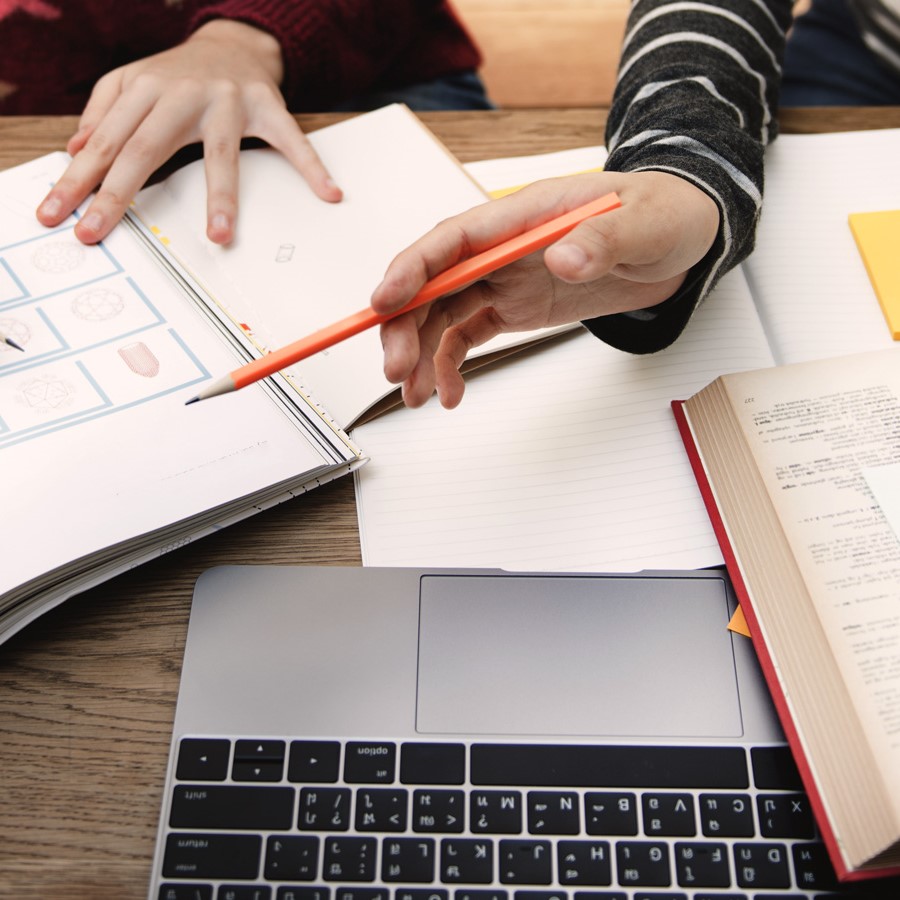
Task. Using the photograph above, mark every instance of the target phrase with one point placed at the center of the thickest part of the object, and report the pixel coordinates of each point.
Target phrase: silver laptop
(409, 734)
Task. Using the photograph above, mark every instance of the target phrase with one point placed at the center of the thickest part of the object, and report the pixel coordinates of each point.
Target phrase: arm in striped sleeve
(696, 97)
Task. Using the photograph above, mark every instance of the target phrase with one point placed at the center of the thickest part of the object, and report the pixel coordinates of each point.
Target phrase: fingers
(223, 127)
(283, 133)
(217, 87)
(135, 137)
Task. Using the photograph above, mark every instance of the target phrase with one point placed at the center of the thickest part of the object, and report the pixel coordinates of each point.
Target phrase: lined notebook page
(565, 458)
(806, 273)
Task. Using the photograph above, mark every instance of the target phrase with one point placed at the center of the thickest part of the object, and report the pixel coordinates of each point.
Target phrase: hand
(630, 258)
(217, 87)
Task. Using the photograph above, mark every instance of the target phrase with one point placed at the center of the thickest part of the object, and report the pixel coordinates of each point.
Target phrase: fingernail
(572, 256)
(220, 222)
(51, 207)
(92, 222)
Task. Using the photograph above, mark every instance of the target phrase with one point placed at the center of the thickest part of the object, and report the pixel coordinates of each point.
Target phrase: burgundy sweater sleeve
(336, 49)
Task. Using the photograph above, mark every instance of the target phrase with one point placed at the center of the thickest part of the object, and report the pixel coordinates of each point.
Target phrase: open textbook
(793, 462)
(568, 458)
(103, 464)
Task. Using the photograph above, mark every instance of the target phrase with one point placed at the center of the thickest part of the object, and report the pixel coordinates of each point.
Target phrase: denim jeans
(826, 62)
(462, 91)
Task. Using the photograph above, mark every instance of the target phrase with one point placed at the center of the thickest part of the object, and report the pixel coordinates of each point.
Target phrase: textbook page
(806, 273)
(104, 465)
(299, 263)
(565, 457)
(814, 430)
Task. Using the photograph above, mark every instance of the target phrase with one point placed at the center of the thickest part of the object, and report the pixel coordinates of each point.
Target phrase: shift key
(234, 807)
(212, 856)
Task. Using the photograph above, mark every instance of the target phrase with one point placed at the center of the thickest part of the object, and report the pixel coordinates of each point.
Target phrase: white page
(809, 279)
(500, 176)
(298, 263)
(563, 458)
(96, 443)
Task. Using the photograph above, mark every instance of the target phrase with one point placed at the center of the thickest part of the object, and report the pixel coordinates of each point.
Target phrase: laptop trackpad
(608, 656)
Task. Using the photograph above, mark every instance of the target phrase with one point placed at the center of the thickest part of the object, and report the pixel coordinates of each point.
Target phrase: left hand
(218, 86)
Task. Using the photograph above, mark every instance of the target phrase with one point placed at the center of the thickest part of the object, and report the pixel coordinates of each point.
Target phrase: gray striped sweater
(696, 96)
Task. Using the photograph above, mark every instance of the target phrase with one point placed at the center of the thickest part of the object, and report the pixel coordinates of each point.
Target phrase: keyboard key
(785, 816)
(243, 892)
(369, 763)
(291, 858)
(671, 815)
(812, 868)
(258, 760)
(314, 762)
(349, 859)
(357, 893)
(324, 809)
(525, 862)
(467, 861)
(584, 862)
(572, 765)
(437, 811)
(707, 895)
(601, 895)
(774, 769)
(233, 807)
(381, 809)
(480, 895)
(761, 866)
(185, 892)
(227, 856)
(259, 750)
(643, 864)
(726, 815)
(610, 812)
(421, 894)
(203, 759)
(702, 864)
(432, 763)
(540, 895)
(292, 892)
(408, 859)
(495, 812)
(553, 812)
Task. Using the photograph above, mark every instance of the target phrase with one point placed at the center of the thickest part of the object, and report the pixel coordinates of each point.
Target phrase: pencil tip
(192, 400)
(12, 343)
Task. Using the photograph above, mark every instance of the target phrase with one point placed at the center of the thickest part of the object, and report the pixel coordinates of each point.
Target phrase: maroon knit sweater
(55, 50)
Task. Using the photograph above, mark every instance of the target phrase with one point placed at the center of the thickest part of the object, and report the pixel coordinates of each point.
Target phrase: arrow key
(203, 759)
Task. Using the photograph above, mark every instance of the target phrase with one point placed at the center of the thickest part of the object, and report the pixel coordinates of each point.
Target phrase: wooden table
(87, 693)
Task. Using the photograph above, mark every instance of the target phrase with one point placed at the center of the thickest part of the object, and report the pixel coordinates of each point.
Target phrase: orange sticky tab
(738, 623)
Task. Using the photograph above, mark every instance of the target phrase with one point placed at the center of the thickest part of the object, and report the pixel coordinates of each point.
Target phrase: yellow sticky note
(738, 623)
(878, 239)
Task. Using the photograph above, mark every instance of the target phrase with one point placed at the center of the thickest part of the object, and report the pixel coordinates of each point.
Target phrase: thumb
(584, 254)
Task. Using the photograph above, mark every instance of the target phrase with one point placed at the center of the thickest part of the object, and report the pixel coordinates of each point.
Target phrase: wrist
(233, 35)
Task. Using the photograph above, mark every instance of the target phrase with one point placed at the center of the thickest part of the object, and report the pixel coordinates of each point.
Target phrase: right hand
(630, 258)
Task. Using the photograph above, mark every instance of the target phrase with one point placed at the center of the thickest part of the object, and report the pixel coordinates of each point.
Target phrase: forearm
(697, 96)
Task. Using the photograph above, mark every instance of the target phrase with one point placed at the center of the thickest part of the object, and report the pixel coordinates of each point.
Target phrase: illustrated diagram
(96, 343)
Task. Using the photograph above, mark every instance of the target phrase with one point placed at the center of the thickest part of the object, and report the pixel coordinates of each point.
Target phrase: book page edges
(848, 809)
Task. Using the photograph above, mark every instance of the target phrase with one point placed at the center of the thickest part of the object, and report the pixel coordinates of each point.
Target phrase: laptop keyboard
(272, 819)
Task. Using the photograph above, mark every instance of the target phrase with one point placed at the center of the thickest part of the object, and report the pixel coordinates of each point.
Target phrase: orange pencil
(452, 279)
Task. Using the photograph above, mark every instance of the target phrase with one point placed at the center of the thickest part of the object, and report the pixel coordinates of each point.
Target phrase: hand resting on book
(629, 259)
(218, 86)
